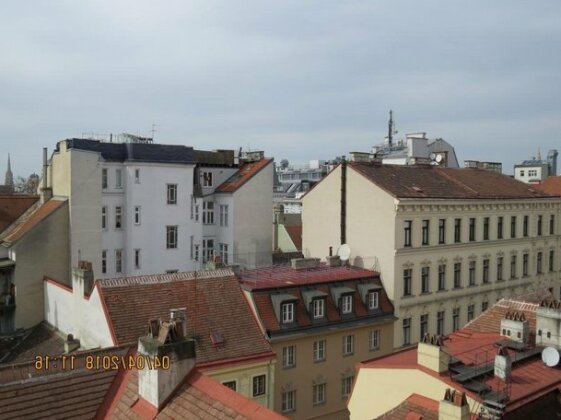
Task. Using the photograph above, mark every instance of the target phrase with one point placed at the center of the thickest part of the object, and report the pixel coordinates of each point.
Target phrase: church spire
(9, 180)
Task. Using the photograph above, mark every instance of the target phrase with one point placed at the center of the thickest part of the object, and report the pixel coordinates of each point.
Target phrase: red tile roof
(41, 339)
(550, 185)
(244, 174)
(214, 303)
(13, 206)
(286, 276)
(295, 233)
(26, 223)
(426, 181)
(415, 407)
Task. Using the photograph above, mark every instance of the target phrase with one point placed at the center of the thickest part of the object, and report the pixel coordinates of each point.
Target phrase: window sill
(320, 361)
(472, 285)
(348, 354)
(407, 296)
(425, 293)
(288, 367)
(376, 349)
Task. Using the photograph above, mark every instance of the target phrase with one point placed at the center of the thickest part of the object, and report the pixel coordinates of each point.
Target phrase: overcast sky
(299, 79)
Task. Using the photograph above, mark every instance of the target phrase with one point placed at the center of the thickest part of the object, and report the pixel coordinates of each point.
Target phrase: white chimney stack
(454, 406)
(430, 354)
(503, 364)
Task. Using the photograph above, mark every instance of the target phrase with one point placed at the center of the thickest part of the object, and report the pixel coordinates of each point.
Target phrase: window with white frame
(207, 179)
(118, 261)
(259, 385)
(208, 250)
(373, 300)
(346, 304)
(223, 248)
(137, 176)
(136, 215)
(319, 350)
(348, 345)
(318, 308)
(104, 178)
(171, 237)
(288, 357)
(374, 340)
(223, 214)
(172, 193)
(318, 394)
(137, 258)
(288, 401)
(118, 217)
(346, 386)
(104, 261)
(208, 212)
(118, 178)
(287, 313)
(104, 217)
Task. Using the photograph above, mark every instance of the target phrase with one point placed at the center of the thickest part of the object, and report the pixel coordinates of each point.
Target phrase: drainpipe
(344, 201)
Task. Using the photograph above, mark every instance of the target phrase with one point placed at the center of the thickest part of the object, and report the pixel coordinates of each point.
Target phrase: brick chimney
(454, 406)
(165, 339)
(430, 353)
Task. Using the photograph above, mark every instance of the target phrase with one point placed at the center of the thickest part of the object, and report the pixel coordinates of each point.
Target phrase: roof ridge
(165, 278)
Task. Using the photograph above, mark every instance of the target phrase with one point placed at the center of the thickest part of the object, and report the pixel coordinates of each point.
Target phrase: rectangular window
(223, 215)
(319, 350)
(500, 227)
(348, 345)
(346, 386)
(457, 275)
(551, 260)
(230, 384)
(374, 340)
(118, 261)
(406, 326)
(288, 357)
(208, 250)
(455, 319)
(407, 232)
(172, 193)
(207, 179)
(208, 212)
(539, 263)
(552, 224)
(136, 215)
(499, 268)
(440, 323)
(318, 394)
(513, 266)
(513, 226)
(373, 300)
(196, 256)
(472, 273)
(171, 237)
(288, 401)
(424, 324)
(346, 304)
(442, 231)
(259, 385)
(407, 275)
(118, 217)
(471, 312)
(104, 217)
(525, 259)
(137, 176)
(318, 308)
(484, 306)
(442, 277)
(472, 229)
(486, 229)
(137, 258)
(486, 271)
(540, 220)
(425, 232)
(287, 313)
(525, 227)
(425, 278)
(118, 178)
(104, 178)
(223, 248)
(457, 230)
(104, 261)
(196, 212)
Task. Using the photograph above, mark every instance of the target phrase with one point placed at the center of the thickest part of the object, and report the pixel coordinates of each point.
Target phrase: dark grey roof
(139, 152)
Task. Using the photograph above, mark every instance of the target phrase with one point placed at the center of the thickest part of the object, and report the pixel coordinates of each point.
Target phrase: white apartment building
(140, 208)
(536, 170)
(447, 242)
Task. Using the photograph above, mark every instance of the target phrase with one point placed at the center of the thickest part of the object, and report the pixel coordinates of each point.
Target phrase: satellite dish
(550, 356)
(344, 252)
(432, 156)
(438, 158)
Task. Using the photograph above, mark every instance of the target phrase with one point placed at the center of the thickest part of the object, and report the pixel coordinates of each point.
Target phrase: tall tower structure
(9, 179)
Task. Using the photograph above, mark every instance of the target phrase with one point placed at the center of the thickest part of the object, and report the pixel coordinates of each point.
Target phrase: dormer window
(318, 308)
(287, 313)
(346, 304)
(373, 300)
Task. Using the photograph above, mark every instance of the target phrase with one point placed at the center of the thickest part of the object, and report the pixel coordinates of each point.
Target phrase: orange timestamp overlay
(102, 362)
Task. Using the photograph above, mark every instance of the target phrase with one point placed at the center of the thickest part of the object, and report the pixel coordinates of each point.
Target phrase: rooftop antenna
(539, 157)
(391, 130)
(153, 130)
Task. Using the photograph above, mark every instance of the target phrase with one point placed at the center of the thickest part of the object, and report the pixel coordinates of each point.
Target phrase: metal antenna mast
(390, 129)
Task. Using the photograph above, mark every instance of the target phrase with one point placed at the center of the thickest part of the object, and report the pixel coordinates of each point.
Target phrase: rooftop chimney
(503, 364)
(548, 324)
(164, 340)
(82, 279)
(454, 406)
(333, 261)
(71, 344)
(430, 353)
(515, 327)
(303, 263)
(45, 192)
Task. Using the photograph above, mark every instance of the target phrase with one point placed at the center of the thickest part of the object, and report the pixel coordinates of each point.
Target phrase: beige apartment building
(448, 243)
(321, 320)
